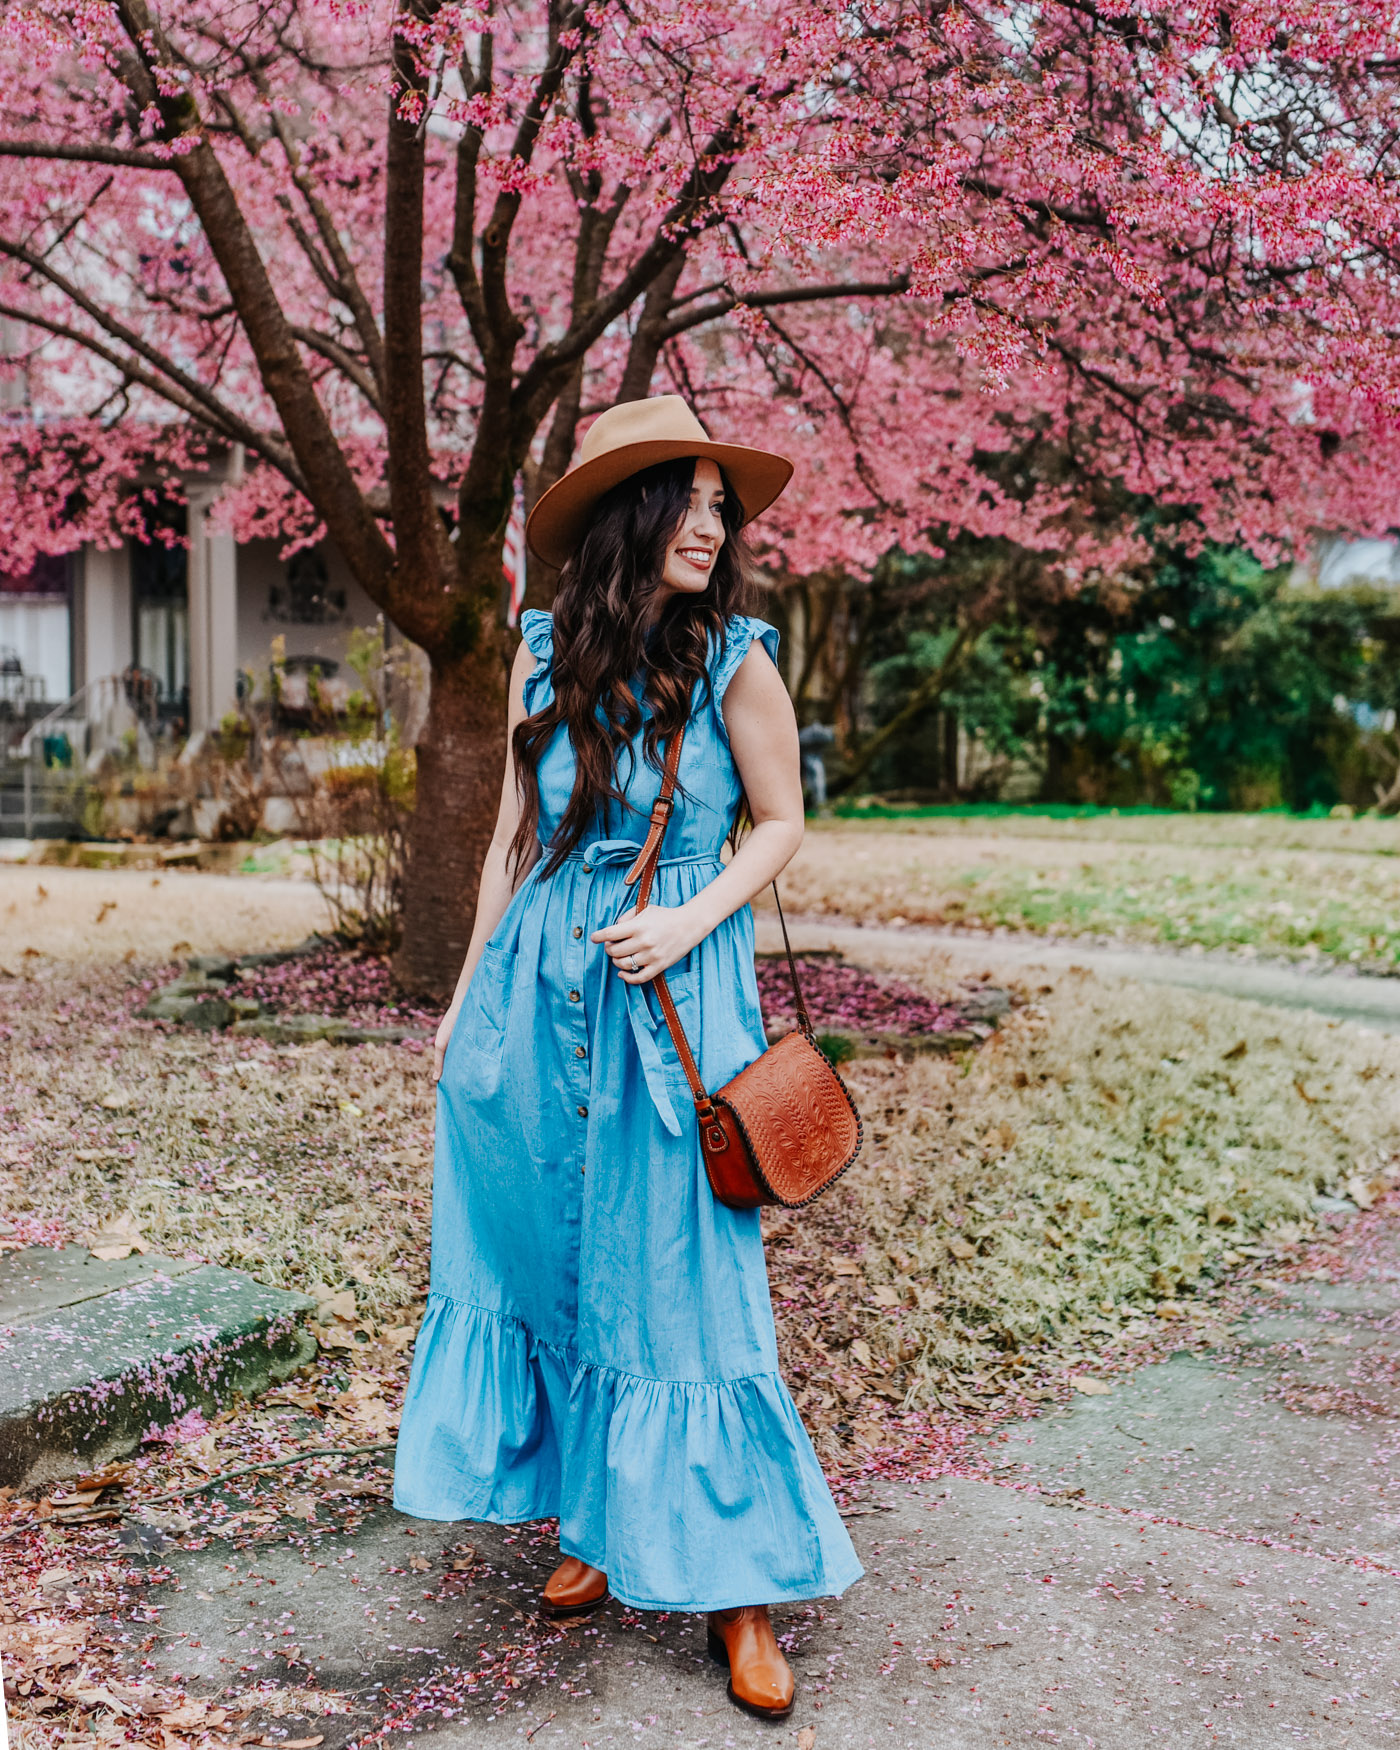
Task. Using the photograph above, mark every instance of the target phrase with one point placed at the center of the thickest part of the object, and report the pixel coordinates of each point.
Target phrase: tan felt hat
(624, 440)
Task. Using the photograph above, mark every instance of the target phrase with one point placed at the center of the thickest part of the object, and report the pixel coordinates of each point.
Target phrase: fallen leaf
(1359, 1191)
(190, 1713)
(91, 1697)
(294, 1743)
(338, 1306)
(1304, 1094)
(115, 1102)
(1235, 1052)
(110, 1476)
(1091, 1388)
(961, 1249)
(860, 1350)
(806, 1738)
(419, 1564)
(118, 1239)
(844, 1267)
(885, 1295)
(302, 1507)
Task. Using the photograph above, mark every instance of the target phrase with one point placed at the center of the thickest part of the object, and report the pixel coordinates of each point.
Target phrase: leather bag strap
(641, 875)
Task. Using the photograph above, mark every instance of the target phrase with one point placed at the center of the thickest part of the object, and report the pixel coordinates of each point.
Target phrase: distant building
(198, 618)
(1338, 561)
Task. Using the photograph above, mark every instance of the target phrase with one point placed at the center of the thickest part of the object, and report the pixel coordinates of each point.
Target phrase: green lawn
(1137, 879)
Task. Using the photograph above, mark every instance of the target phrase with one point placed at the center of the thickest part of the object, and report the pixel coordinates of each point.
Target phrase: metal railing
(54, 750)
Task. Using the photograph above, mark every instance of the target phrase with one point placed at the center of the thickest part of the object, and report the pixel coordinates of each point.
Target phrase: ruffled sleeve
(537, 629)
(740, 633)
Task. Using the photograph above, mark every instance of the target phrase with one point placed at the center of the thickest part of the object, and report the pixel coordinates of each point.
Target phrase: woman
(599, 1340)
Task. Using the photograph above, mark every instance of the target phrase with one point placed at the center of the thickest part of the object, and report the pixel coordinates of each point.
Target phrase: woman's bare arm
(498, 884)
(763, 736)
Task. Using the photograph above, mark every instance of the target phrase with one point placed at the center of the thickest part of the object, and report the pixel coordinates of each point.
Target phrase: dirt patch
(129, 914)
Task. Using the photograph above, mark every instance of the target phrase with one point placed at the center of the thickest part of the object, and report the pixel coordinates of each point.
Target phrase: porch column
(102, 610)
(213, 587)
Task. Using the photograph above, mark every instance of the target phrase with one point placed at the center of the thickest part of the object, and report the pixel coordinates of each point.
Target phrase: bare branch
(330, 482)
(789, 295)
(419, 533)
(215, 417)
(344, 361)
(84, 155)
(190, 388)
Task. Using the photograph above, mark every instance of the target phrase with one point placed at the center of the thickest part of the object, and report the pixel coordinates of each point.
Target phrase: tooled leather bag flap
(797, 1119)
(797, 1116)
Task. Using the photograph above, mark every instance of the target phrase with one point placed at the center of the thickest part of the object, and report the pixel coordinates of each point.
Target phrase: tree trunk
(461, 759)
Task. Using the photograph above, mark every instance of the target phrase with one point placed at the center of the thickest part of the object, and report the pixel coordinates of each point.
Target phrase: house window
(47, 576)
(306, 598)
(160, 611)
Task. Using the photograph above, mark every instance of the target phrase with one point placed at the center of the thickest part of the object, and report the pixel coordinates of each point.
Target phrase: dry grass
(1110, 1149)
(1283, 832)
(299, 1164)
(1113, 1148)
(1298, 904)
(80, 915)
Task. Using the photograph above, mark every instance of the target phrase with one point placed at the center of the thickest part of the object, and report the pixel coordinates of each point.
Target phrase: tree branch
(330, 349)
(461, 258)
(85, 155)
(927, 693)
(191, 391)
(691, 210)
(419, 535)
(329, 482)
(214, 417)
(791, 295)
(504, 325)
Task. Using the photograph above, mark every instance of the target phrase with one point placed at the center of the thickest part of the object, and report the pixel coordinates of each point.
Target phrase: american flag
(513, 559)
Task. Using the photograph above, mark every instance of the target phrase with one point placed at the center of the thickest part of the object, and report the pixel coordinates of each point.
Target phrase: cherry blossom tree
(972, 264)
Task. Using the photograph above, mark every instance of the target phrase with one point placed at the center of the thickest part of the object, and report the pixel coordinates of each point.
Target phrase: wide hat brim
(561, 516)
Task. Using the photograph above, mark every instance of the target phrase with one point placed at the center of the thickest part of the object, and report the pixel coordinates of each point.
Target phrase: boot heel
(718, 1651)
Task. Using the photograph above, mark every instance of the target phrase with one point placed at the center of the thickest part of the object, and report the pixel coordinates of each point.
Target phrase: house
(195, 617)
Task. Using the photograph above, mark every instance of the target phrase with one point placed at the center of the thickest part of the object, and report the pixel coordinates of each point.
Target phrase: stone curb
(83, 1384)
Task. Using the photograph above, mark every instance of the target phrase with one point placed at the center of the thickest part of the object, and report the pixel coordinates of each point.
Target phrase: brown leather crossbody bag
(786, 1127)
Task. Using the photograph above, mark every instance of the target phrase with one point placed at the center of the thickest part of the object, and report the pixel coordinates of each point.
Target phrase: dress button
(573, 996)
(578, 931)
(583, 1111)
(580, 1051)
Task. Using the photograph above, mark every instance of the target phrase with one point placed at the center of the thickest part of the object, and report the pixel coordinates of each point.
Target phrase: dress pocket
(683, 982)
(475, 1049)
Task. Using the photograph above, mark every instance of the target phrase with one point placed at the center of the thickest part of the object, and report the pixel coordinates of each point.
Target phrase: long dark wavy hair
(601, 649)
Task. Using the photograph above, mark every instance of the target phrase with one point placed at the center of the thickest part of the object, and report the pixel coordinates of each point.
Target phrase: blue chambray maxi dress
(599, 1341)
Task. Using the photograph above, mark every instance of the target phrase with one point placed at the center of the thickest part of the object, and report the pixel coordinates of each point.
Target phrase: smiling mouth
(695, 556)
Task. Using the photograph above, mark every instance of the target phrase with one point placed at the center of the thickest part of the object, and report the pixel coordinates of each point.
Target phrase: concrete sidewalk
(1209, 1553)
(1342, 996)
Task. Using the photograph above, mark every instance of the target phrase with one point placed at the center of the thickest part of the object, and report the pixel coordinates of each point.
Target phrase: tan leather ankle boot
(573, 1589)
(760, 1678)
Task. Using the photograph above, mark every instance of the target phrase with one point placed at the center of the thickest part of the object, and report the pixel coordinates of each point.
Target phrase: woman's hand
(444, 1033)
(654, 939)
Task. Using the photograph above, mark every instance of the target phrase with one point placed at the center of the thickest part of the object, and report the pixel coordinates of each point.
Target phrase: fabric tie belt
(605, 853)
